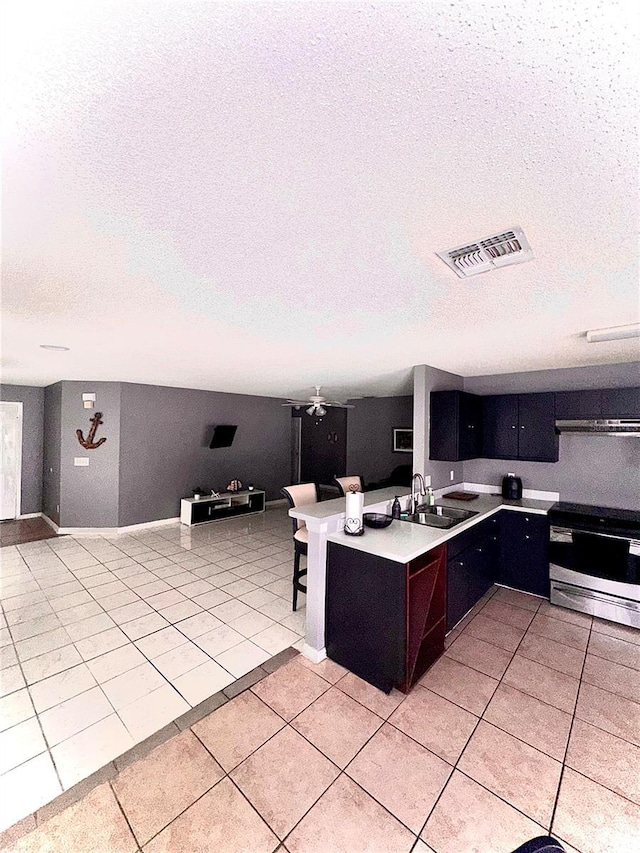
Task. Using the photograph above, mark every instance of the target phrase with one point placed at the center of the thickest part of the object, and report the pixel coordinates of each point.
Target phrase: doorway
(10, 459)
(323, 446)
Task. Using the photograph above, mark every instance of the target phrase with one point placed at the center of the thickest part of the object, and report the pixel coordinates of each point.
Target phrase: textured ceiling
(249, 196)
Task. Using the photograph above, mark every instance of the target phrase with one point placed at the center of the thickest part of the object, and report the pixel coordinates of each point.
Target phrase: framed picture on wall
(403, 440)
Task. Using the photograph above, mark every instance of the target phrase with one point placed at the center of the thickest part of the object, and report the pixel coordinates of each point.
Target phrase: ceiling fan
(319, 404)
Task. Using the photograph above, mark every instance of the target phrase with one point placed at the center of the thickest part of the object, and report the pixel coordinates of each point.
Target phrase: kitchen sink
(442, 517)
(446, 511)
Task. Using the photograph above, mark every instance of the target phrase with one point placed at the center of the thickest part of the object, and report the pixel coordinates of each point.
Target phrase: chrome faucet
(420, 492)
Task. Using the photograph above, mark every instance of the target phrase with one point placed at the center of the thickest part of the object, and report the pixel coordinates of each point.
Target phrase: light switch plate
(81, 461)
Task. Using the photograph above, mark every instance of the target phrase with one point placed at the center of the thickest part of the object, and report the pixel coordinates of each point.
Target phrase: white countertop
(403, 541)
(335, 508)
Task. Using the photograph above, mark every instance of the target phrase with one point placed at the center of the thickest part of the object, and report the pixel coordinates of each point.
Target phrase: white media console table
(226, 505)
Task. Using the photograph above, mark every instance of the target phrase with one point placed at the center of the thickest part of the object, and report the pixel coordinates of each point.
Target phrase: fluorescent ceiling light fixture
(54, 348)
(614, 333)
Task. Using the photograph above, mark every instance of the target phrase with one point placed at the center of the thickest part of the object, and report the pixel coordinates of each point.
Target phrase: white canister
(353, 524)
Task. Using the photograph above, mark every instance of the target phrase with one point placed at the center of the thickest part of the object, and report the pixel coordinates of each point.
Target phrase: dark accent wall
(89, 496)
(592, 469)
(32, 400)
(164, 447)
(52, 451)
(369, 435)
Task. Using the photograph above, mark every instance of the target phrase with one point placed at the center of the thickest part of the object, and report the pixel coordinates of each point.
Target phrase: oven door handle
(619, 602)
(565, 534)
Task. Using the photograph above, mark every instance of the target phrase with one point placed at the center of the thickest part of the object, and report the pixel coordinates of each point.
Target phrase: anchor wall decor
(88, 442)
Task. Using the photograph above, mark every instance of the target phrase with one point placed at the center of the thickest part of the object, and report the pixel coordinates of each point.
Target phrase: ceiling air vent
(499, 250)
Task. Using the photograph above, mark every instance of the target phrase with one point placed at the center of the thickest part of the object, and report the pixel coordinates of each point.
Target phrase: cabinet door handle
(526, 536)
(514, 426)
(521, 427)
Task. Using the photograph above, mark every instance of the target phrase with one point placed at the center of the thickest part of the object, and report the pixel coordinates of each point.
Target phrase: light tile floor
(106, 639)
(495, 745)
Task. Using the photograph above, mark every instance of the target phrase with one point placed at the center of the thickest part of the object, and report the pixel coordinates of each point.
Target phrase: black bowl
(377, 519)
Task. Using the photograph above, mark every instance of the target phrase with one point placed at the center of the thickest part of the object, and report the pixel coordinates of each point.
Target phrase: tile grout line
(288, 723)
(566, 751)
(456, 768)
(119, 625)
(71, 572)
(47, 749)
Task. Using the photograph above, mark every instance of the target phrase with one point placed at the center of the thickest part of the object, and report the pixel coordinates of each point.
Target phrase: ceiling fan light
(310, 410)
(321, 411)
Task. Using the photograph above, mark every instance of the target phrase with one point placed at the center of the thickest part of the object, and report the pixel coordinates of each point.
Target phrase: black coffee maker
(511, 487)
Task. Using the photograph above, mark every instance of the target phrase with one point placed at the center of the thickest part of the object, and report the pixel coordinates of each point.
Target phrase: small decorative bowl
(377, 519)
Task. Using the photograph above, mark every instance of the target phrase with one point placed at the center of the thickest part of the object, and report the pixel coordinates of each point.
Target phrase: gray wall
(425, 380)
(624, 375)
(369, 435)
(592, 469)
(32, 433)
(51, 451)
(89, 496)
(164, 452)
(602, 470)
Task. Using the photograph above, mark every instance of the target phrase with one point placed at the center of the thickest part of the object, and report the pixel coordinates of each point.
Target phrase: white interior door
(10, 459)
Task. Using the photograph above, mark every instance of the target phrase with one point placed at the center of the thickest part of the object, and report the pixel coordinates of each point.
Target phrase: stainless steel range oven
(594, 561)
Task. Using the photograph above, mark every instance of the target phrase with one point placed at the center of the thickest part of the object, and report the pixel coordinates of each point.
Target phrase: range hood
(601, 426)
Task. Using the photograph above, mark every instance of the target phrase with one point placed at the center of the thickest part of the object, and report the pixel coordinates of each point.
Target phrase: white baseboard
(29, 515)
(107, 531)
(314, 655)
(147, 524)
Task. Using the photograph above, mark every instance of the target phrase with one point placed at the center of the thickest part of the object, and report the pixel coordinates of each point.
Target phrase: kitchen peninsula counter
(393, 593)
(403, 541)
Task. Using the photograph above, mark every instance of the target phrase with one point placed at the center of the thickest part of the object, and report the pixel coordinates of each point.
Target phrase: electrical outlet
(81, 461)
(451, 476)
(427, 480)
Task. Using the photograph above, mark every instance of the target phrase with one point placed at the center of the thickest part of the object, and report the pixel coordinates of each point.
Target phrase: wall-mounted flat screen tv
(223, 435)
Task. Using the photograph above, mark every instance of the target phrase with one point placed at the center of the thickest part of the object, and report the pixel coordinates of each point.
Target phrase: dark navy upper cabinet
(621, 403)
(456, 426)
(537, 437)
(500, 426)
(520, 426)
(578, 405)
(470, 426)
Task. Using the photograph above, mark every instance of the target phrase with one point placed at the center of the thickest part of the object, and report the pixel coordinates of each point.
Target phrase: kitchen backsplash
(592, 469)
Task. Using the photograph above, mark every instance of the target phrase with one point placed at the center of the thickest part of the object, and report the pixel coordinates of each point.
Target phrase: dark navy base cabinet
(524, 552)
(509, 548)
(472, 567)
(385, 621)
